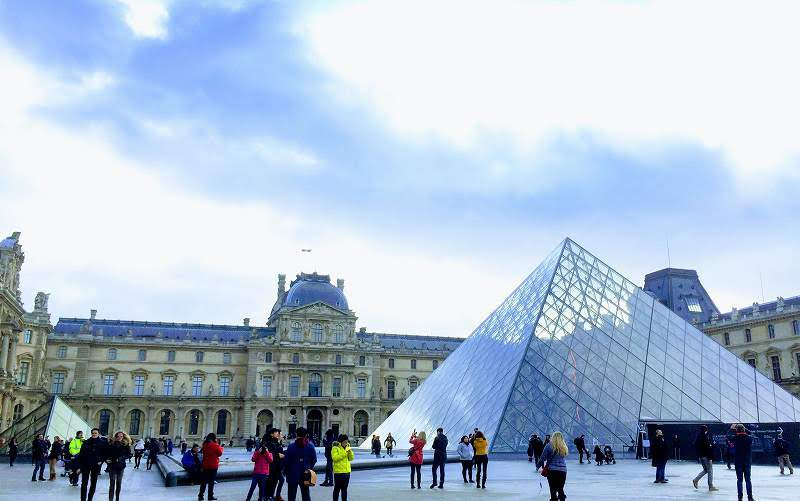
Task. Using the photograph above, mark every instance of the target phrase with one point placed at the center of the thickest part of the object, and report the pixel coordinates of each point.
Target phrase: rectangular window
(797, 356)
(198, 357)
(412, 386)
(294, 386)
(391, 363)
(338, 359)
(751, 362)
(226, 358)
(58, 382)
(224, 386)
(748, 336)
(796, 327)
(108, 384)
(62, 352)
(169, 383)
(266, 385)
(693, 304)
(295, 358)
(197, 386)
(142, 355)
(390, 390)
(171, 356)
(435, 364)
(362, 360)
(361, 387)
(337, 387)
(112, 354)
(138, 385)
(27, 336)
(771, 331)
(776, 367)
(727, 337)
(22, 377)
(413, 364)
(268, 357)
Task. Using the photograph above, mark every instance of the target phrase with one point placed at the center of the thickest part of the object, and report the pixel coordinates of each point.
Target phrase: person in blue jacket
(300, 456)
(192, 463)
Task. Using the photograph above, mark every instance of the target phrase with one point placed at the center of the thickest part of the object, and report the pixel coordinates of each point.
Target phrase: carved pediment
(169, 372)
(224, 374)
(140, 372)
(319, 308)
(110, 370)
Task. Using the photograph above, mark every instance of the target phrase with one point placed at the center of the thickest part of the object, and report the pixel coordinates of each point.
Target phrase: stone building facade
(308, 366)
(767, 336)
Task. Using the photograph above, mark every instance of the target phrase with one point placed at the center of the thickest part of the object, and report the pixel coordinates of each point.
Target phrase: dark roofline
(144, 323)
(412, 336)
(680, 272)
(771, 306)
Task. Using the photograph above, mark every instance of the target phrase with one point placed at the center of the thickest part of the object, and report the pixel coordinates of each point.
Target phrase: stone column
(12, 353)
(4, 351)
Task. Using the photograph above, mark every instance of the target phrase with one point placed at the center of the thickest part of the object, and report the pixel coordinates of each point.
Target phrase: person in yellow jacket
(342, 454)
(481, 458)
(74, 448)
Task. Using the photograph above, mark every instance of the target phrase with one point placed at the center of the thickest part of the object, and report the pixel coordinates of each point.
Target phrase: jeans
(207, 479)
(481, 462)
(38, 466)
(707, 468)
(389, 452)
(260, 480)
(340, 483)
(660, 474)
(89, 477)
(743, 471)
(466, 466)
(292, 491)
(556, 481)
(114, 484)
(137, 458)
(438, 465)
(11, 459)
(274, 483)
(416, 468)
(328, 470)
(785, 461)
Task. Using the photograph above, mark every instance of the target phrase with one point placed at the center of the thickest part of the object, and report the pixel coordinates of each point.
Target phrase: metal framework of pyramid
(580, 349)
(52, 418)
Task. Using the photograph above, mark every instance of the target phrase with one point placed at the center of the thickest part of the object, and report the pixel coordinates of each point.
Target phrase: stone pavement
(508, 480)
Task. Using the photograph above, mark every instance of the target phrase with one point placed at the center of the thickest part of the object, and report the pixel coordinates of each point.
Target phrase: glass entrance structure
(52, 418)
(580, 349)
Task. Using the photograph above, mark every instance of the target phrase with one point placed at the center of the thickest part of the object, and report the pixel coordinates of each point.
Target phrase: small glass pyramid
(52, 418)
(580, 349)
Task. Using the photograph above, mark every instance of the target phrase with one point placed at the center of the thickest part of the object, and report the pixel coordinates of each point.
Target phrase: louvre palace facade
(308, 366)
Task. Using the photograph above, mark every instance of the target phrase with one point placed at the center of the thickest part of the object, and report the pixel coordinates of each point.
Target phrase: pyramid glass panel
(580, 349)
(52, 418)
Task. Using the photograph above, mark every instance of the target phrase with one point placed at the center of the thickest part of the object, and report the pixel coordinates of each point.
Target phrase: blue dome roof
(310, 288)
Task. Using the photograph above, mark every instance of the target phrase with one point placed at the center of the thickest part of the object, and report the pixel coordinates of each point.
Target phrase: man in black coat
(782, 453)
(580, 444)
(39, 452)
(275, 478)
(538, 447)
(439, 457)
(743, 445)
(327, 443)
(90, 458)
(705, 454)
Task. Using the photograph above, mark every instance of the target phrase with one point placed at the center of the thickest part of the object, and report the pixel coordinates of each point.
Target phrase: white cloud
(147, 18)
(719, 73)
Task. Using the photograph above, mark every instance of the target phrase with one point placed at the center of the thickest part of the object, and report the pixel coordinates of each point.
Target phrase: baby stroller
(609, 454)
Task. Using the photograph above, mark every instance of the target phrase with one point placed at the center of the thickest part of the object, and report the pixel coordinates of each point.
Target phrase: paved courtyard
(508, 480)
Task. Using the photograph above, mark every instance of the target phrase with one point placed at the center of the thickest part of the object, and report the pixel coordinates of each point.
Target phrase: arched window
(135, 422)
(338, 334)
(222, 423)
(315, 385)
(165, 422)
(19, 409)
(112, 354)
(297, 334)
(104, 422)
(194, 422)
(360, 424)
(316, 333)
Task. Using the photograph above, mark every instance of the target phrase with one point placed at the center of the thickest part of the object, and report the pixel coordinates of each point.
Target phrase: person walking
(705, 454)
(439, 457)
(192, 463)
(170, 446)
(56, 450)
(39, 453)
(553, 462)
(389, 444)
(342, 455)
(481, 459)
(580, 445)
(74, 449)
(743, 445)
(117, 454)
(538, 447)
(261, 458)
(465, 455)
(782, 452)
(300, 457)
(212, 451)
(13, 451)
(275, 478)
(415, 457)
(327, 443)
(138, 452)
(676, 447)
(730, 449)
(90, 460)
(530, 447)
(659, 455)
(376, 446)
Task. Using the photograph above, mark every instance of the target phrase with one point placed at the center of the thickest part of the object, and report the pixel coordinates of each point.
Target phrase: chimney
(247, 322)
(281, 283)
(362, 330)
(340, 283)
(92, 314)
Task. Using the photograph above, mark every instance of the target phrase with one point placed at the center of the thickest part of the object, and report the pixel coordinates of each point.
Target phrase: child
(262, 459)
(599, 457)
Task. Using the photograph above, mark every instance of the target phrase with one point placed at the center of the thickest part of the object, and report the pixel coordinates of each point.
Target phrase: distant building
(767, 336)
(681, 291)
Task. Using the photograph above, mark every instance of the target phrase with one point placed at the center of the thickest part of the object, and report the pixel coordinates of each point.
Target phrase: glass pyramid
(580, 349)
(52, 418)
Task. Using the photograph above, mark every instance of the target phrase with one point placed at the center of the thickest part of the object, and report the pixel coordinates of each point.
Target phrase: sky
(166, 159)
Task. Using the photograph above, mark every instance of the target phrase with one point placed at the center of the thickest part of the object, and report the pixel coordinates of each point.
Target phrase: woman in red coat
(417, 442)
(211, 454)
